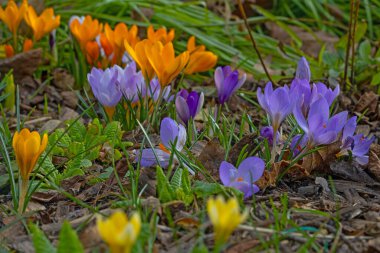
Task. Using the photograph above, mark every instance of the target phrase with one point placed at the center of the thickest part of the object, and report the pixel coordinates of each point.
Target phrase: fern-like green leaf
(68, 240)
(40, 242)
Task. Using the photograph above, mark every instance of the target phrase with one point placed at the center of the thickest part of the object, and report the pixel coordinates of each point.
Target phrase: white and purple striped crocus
(188, 104)
(131, 82)
(170, 133)
(319, 127)
(227, 82)
(104, 85)
(357, 144)
(249, 171)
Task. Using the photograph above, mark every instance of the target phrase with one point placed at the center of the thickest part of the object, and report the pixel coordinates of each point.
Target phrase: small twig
(353, 42)
(348, 45)
(242, 11)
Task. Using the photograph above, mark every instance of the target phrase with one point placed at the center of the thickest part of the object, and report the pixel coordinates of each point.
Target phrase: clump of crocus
(357, 144)
(43, 24)
(200, 60)
(249, 171)
(227, 82)
(119, 232)
(225, 217)
(28, 146)
(188, 105)
(319, 127)
(278, 104)
(12, 15)
(104, 86)
(171, 134)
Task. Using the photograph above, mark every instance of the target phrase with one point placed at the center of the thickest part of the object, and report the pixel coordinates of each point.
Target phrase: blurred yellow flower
(225, 217)
(42, 24)
(200, 59)
(164, 62)
(160, 34)
(119, 232)
(139, 55)
(28, 146)
(85, 30)
(12, 15)
(92, 52)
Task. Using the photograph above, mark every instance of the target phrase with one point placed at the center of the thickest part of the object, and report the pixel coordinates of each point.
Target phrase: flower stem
(274, 144)
(24, 183)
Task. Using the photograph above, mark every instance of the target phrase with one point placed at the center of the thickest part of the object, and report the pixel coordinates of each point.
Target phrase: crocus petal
(303, 69)
(349, 128)
(251, 169)
(227, 173)
(168, 131)
(244, 187)
(182, 109)
(148, 159)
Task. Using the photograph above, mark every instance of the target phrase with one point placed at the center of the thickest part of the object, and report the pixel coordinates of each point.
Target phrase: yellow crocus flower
(164, 62)
(200, 59)
(42, 24)
(160, 34)
(85, 31)
(13, 15)
(28, 146)
(225, 217)
(118, 232)
(138, 54)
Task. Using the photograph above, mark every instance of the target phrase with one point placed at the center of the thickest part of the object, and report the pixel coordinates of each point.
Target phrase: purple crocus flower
(243, 178)
(227, 82)
(357, 144)
(188, 105)
(303, 70)
(298, 143)
(267, 133)
(131, 82)
(154, 91)
(170, 132)
(327, 93)
(319, 127)
(104, 85)
(277, 103)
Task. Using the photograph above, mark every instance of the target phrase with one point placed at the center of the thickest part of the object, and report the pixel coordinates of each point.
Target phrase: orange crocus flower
(139, 55)
(165, 64)
(92, 52)
(160, 34)
(12, 15)
(85, 31)
(28, 44)
(200, 59)
(9, 51)
(42, 24)
(117, 37)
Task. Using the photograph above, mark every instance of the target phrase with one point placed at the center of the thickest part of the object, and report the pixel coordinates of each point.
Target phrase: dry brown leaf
(367, 100)
(211, 157)
(374, 161)
(187, 222)
(23, 64)
(242, 247)
(236, 149)
(318, 161)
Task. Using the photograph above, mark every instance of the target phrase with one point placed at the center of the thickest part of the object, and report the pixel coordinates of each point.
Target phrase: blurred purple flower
(298, 144)
(188, 105)
(154, 91)
(250, 170)
(319, 127)
(303, 70)
(227, 82)
(267, 133)
(358, 145)
(170, 132)
(131, 82)
(104, 86)
(277, 103)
